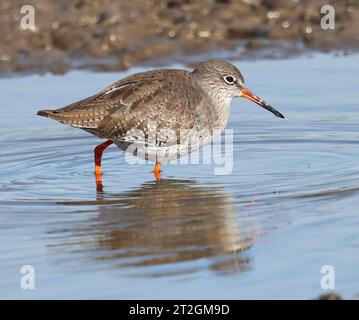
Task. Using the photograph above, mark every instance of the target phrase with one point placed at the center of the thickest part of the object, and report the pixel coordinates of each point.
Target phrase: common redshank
(161, 114)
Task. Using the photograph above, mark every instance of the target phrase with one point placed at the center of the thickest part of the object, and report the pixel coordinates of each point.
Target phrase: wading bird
(162, 114)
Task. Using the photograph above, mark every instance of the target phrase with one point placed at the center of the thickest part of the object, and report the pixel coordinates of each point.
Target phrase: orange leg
(157, 171)
(98, 155)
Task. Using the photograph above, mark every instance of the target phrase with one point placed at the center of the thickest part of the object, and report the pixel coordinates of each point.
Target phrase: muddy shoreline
(112, 35)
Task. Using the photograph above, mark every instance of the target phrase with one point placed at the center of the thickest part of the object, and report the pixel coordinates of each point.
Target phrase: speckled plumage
(158, 114)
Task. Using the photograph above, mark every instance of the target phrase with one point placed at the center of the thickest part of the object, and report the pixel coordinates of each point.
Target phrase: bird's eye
(229, 79)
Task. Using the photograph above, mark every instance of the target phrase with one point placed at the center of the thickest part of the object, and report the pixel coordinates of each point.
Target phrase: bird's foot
(157, 171)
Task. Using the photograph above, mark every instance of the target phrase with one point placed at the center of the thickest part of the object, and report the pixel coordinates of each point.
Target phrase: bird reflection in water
(165, 222)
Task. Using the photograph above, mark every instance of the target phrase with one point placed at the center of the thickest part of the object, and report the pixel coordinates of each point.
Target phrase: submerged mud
(115, 35)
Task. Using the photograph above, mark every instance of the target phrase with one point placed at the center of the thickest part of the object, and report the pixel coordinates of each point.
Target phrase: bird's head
(224, 80)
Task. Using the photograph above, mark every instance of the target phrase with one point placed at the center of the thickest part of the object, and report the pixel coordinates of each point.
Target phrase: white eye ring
(229, 79)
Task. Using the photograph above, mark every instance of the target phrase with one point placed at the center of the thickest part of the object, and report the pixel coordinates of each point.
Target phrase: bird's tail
(44, 113)
(66, 118)
(53, 114)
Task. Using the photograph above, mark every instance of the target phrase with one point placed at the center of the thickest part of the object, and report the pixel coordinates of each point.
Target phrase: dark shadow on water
(159, 225)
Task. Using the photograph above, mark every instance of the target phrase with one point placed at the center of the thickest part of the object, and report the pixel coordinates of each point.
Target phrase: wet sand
(112, 35)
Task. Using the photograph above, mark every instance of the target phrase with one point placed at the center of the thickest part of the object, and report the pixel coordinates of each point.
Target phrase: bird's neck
(221, 102)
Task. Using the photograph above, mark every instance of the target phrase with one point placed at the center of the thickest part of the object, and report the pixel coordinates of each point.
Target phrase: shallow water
(289, 206)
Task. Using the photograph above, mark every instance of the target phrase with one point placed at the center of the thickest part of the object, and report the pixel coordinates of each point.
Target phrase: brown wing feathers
(124, 105)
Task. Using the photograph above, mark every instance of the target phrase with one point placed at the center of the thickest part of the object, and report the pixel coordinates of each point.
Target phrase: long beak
(246, 93)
